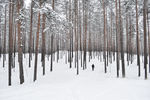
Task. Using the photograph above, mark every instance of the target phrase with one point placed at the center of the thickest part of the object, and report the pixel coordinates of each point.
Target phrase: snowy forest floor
(64, 84)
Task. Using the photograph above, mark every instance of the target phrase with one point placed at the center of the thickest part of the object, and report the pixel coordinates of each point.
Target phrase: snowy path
(63, 84)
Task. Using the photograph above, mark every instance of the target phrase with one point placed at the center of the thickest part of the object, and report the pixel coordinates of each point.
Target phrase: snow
(27, 3)
(64, 84)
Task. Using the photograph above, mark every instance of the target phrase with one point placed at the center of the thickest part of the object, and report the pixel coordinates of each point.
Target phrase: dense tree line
(83, 29)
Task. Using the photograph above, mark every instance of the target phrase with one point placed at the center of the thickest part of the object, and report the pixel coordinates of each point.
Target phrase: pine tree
(20, 31)
(137, 40)
(104, 36)
(121, 41)
(145, 37)
(52, 40)
(37, 45)
(10, 43)
(30, 38)
(4, 47)
(43, 43)
(117, 50)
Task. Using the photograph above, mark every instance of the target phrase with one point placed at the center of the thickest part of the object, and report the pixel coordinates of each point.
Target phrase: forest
(41, 38)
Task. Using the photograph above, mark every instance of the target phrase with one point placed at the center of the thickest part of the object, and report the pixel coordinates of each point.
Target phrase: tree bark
(4, 47)
(105, 67)
(36, 49)
(21, 73)
(145, 37)
(117, 51)
(30, 39)
(10, 43)
(137, 41)
(121, 42)
(43, 43)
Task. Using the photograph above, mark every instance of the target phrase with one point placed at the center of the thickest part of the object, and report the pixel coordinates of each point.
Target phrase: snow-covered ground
(64, 84)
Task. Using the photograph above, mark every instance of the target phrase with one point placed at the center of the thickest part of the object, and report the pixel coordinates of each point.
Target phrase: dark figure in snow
(93, 67)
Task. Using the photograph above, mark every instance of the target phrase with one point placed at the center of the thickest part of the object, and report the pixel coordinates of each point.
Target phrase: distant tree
(85, 26)
(104, 36)
(117, 50)
(70, 32)
(76, 36)
(4, 47)
(127, 38)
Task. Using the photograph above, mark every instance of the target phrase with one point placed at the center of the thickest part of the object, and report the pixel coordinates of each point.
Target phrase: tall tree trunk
(37, 44)
(30, 39)
(0, 39)
(4, 47)
(89, 39)
(110, 43)
(85, 33)
(12, 33)
(70, 59)
(130, 40)
(10, 43)
(107, 39)
(137, 41)
(105, 67)
(127, 39)
(21, 73)
(145, 37)
(15, 44)
(148, 38)
(117, 50)
(43, 43)
(52, 37)
(76, 33)
(58, 44)
(121, 41)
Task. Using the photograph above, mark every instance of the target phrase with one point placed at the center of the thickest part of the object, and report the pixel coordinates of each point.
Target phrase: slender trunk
(43, 43)
(107, 39)
(105, 67)
(137, 41)
(77, 63)
(70, 57)
(15, 45)
(130, 40)
(52, 37)
(30, 39)
(117, 51)
(4, 48)
(148, 38)
(80, 31)
(12, 33)
(10, 43)
(85, 37)
(58, 48)
(36, 49)
(121, 42)
(145, 37)
(127, 39)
